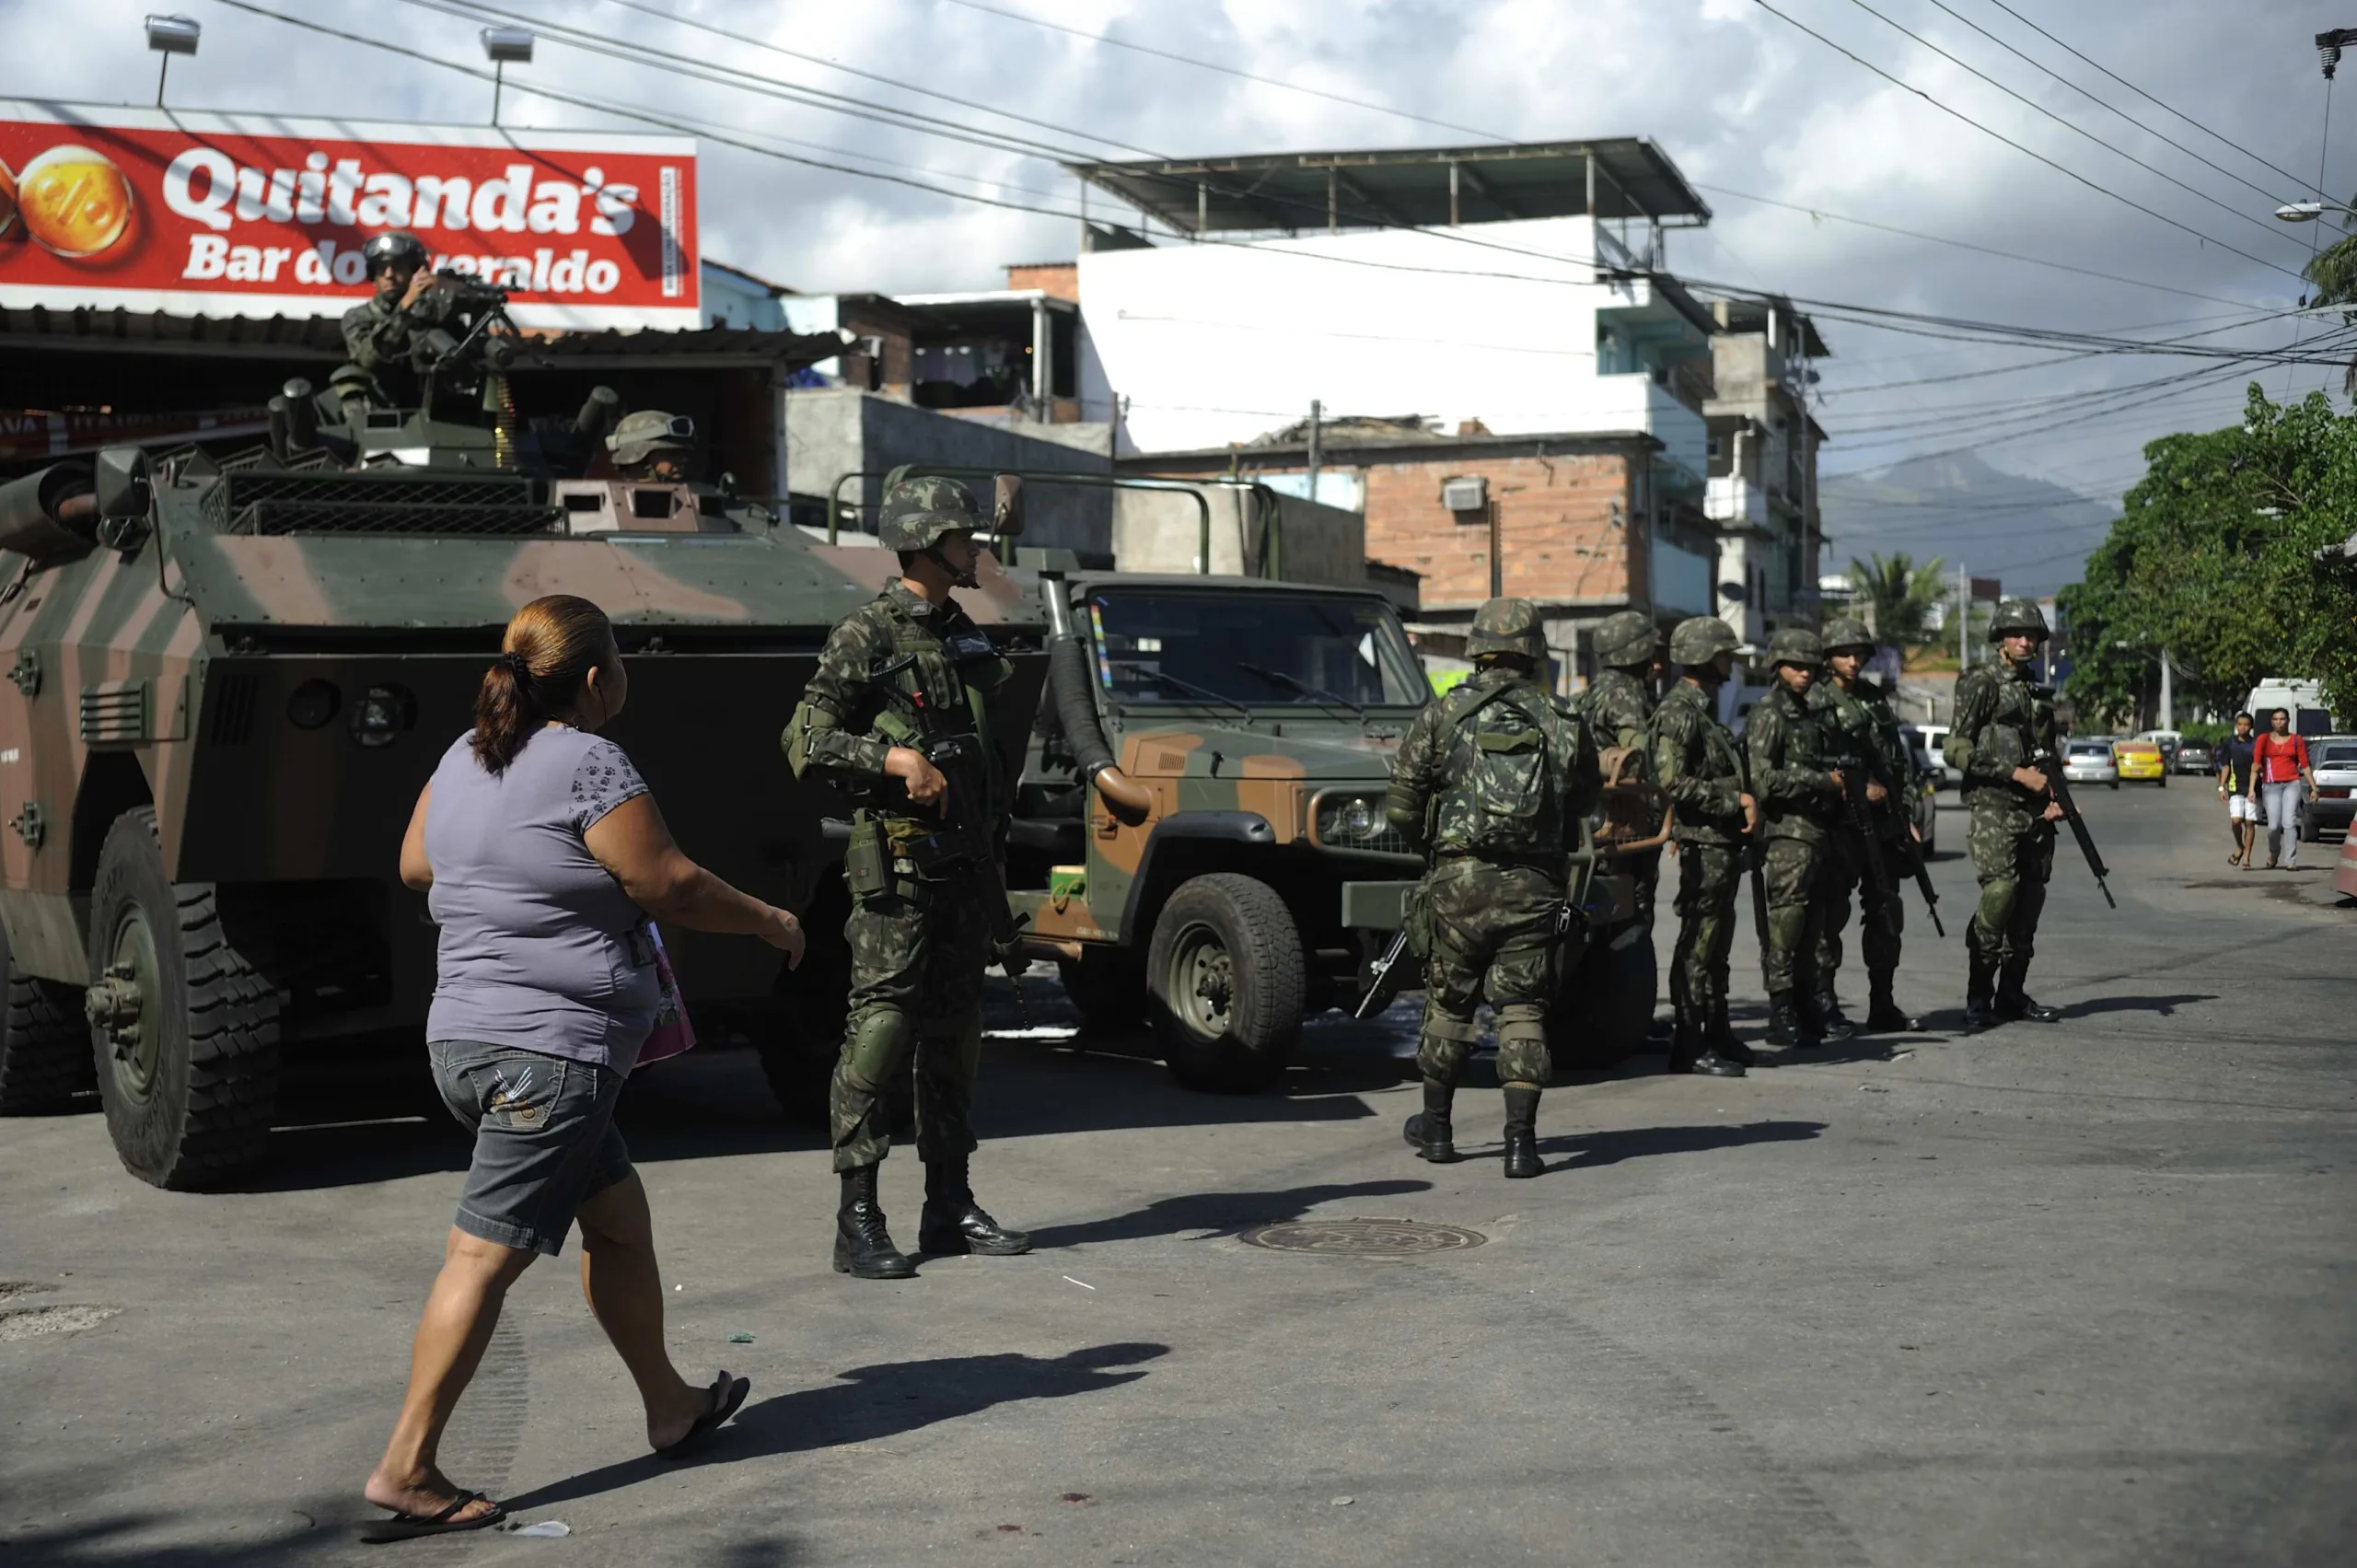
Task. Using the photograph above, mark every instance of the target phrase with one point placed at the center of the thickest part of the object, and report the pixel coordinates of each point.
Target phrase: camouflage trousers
(2013, 855)
(916, 984)
(1646, 870)
(1490, 931)
(1709, 877)
(1798, 872)
(1881, 914)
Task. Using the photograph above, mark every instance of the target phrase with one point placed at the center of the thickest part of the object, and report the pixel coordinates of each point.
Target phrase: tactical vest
(2021, 725)
(1502, 798)
(954, 675)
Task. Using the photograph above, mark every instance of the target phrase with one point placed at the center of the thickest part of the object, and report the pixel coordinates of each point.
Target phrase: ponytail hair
(550, 646)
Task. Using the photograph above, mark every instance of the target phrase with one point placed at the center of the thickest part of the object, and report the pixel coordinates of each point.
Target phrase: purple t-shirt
(540, 947)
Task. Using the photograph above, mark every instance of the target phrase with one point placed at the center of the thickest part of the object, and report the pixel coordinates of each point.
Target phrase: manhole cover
(1364, 1238)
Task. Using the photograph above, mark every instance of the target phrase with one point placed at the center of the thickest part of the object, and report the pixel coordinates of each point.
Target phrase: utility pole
(1963, 618)
(1497, 567)
(2169, 693)
(1316, 443)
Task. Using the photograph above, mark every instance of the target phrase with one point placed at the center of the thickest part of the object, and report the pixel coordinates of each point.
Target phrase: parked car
(2333, 760)
(2193, 756)
(2089, 761)
(2141, 760)
(1923, 798)
(1935, 736)
(2168, 740)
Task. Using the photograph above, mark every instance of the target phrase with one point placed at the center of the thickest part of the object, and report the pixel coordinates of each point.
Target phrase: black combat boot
(1693, 1052)
(1429, 1131)
(1720, 1041)
(1522, 1132)
(1980, 990)
(1884, 1015)
(954, 1223)
(1825, 1012)
(1785, 1024)
(864, 1247)
(2013, 1002)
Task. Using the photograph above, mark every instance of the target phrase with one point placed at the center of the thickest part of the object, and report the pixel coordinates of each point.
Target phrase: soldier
(652, 446)
(1866, 735)
(1617, 705)
(920, 929)
(1694, 762)
(377, 333)
(1800, 796)
(1492, 781)
(2002, 723)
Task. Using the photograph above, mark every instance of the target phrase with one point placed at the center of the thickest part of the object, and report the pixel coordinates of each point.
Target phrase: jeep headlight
(1348, 820)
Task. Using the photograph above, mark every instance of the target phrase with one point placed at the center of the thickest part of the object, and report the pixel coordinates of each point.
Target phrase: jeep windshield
(1259, 648)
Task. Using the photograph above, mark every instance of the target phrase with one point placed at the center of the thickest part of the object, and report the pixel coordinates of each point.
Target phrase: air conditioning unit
(1465, 495)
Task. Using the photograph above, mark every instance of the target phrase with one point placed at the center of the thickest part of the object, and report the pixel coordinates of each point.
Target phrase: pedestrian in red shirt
(2280, 771)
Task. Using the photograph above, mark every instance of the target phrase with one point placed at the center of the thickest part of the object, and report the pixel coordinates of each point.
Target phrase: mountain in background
(2032, 534)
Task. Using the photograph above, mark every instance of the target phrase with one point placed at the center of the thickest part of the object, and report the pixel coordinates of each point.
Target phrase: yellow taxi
(2140, 761)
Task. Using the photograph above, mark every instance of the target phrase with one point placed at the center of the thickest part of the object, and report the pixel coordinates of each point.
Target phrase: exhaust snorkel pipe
(1068, 678)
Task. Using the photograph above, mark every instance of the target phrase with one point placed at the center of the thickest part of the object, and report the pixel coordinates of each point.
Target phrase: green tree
(2214, 560)
(1898, 594)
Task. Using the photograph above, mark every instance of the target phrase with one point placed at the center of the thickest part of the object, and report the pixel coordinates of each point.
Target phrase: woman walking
(2279, 768)
(543, 857)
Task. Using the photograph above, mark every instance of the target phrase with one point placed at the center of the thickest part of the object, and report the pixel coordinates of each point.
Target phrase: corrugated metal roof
(1424, 187)
(118, 331)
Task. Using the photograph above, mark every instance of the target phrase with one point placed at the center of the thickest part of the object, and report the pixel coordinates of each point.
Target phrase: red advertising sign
(152, 209)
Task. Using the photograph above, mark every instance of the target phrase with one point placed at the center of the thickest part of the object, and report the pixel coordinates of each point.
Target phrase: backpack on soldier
(1507, 801)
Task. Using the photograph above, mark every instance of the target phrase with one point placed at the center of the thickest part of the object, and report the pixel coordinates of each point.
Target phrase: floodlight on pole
(503, 47)
(169, 36)
(2308, 211)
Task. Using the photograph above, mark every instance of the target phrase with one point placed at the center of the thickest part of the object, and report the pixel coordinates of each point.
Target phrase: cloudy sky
(1746, 102)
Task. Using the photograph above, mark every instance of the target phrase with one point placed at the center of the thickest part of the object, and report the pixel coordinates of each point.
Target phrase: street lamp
(169, 36)
(501, 46)
(2308, 211)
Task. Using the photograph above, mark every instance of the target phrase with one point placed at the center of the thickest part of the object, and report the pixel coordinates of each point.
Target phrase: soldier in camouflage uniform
(1694, 763)
(1492, 781)
(2002, 723)
(1800, 797)
(1864, 733)
(1617, 705)
(380, 332)
(652, 446)
(920, 929)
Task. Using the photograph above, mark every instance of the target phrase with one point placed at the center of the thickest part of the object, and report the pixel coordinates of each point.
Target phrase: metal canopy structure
(1625, 178)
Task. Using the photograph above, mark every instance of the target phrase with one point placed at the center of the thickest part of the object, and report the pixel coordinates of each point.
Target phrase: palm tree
(1897, 595)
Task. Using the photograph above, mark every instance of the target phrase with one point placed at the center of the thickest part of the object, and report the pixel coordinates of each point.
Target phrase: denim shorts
(545, 1141)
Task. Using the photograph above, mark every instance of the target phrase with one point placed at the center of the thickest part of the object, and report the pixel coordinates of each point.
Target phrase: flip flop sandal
(409, 1527)
(727, 1394)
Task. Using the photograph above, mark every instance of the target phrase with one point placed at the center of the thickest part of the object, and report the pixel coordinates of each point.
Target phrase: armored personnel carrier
(229, 676)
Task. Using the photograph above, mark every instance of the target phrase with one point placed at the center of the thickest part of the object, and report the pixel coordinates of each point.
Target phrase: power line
(1961, 244)
(2041, 158)
(2100, 103)
(2148, 98)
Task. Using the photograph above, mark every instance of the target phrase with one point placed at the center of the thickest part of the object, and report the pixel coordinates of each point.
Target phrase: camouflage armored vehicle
(229, 678)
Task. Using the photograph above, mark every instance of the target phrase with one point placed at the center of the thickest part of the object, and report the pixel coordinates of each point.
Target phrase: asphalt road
(2081, 1294)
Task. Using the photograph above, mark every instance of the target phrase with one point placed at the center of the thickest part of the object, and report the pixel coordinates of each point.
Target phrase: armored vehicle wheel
(1602, 1012)
(1107, 989)
(45, 1049)
(800, 1037)
(1225, 975)
(184, 1031)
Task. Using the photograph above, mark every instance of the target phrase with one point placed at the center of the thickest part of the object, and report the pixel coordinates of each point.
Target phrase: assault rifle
(1756, 852)
(964, 838)
(2058, 789)
(1862, 819)
(1385, 976)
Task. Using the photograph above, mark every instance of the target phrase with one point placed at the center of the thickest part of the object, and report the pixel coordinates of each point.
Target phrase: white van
(1935, 737)
(2303, 699)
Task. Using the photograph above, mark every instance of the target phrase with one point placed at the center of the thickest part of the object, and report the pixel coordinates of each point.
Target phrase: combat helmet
(1700, 639)
(2018, 615)
(1846, 631)
(919, 511)
(639, 436)
(1627, 638)
(395, 247)
(1508, 626)
(1796, 645)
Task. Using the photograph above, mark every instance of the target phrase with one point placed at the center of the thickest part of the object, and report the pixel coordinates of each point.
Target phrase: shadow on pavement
(870, 1403)
(2164, 1006)
(1222, 1213)
(1589, 1150)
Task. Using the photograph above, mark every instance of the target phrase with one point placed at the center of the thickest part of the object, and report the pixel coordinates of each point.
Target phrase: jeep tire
(1225, 978)
(183, 1030)
(1606, 1002)
(44, 1046)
